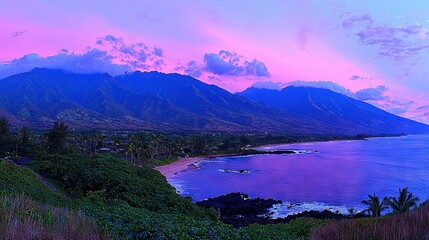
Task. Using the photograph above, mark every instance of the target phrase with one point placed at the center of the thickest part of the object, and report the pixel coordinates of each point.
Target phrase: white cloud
(324, 84)
(268, 85)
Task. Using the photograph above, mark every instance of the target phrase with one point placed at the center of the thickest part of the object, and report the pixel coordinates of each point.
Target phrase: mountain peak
(159, 101)
(335, 109)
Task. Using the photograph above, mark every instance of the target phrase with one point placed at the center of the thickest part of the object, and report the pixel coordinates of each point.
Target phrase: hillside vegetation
(123, 201)
(101, 196)
(155, 101)
(410, 225)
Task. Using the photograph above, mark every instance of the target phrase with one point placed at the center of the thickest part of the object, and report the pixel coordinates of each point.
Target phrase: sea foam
(285, 209)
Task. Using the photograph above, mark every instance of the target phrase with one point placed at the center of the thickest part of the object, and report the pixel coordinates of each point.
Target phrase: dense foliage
(126, 211)
(129, 202)
(115, 179)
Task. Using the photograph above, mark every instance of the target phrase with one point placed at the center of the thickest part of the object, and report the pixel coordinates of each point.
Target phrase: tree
(138, 149)
(24, 139)
(4, 134)
(199, 144)
(375, 206)
(404, 202)
(56, 138)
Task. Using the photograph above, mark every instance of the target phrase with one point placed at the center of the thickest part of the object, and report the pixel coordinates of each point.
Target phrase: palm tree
(375, 206)
(404, 203)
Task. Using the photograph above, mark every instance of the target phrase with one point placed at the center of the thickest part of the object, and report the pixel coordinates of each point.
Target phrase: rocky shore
(238, 210)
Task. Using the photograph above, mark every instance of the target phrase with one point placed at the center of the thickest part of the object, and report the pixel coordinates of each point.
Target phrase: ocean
(335, 175)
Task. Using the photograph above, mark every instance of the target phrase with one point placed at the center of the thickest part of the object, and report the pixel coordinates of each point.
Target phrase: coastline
(175, 167)
(182, 164)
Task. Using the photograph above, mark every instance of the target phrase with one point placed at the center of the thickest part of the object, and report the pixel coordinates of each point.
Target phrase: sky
(375, 51)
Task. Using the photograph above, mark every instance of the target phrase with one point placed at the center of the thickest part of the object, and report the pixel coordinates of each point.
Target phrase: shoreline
(182, 164)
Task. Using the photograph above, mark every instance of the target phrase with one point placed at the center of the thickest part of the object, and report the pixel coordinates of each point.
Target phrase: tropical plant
(56, 138)
(25, 139)
(4, 134)
(405, 201)
(375, 206)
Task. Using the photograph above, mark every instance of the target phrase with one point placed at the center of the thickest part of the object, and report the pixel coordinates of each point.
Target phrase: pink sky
(379, 54)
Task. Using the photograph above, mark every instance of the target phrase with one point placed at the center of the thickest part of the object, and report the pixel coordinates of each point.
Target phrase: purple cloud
(397, 111)
(395, 42)
(353, 20)
(112, 55)
(193, 69)
(301, 37)
(232, 64)
(111, 38)
(356, 77)
(136, 55)
(93, 61)
(157, 51)
(373, 94)
(425, 107)
(17, 34)
(402, 102)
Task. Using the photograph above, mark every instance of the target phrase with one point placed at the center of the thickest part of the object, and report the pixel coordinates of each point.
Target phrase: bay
(334, 175)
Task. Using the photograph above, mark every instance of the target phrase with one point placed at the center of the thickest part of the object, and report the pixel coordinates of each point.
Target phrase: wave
(241, 171)
(285, 209)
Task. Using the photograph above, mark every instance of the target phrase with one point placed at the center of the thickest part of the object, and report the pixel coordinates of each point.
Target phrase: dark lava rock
(239, 204)
(239, 211)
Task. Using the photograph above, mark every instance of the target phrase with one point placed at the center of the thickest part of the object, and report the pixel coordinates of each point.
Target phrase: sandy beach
(182, 164)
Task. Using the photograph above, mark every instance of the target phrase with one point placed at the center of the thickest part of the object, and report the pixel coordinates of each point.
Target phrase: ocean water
(334, 175)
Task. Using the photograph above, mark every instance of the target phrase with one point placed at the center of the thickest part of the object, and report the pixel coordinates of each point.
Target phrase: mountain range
(174, 102)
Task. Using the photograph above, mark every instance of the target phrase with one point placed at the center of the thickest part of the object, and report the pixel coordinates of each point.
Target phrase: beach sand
(182, 164)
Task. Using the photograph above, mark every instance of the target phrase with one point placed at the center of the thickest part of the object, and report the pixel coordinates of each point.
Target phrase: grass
(161, 162)
(15, 180)
(22, 218)
(410, 225)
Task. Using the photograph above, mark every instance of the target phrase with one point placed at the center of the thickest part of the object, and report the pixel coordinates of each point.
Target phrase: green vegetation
(113, 179)
(401, 224)
(404, 203)
(410, 225)
(123, 200)
(56, 138)
(4, 135)
(104, 196)
(22, 218)
(375, 206)
(15, 181)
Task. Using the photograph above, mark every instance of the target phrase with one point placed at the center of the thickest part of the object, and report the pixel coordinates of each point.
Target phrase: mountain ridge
(167, 102)
(334, 107)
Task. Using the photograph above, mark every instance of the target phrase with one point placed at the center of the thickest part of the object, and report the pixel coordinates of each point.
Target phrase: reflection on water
(337, 173)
